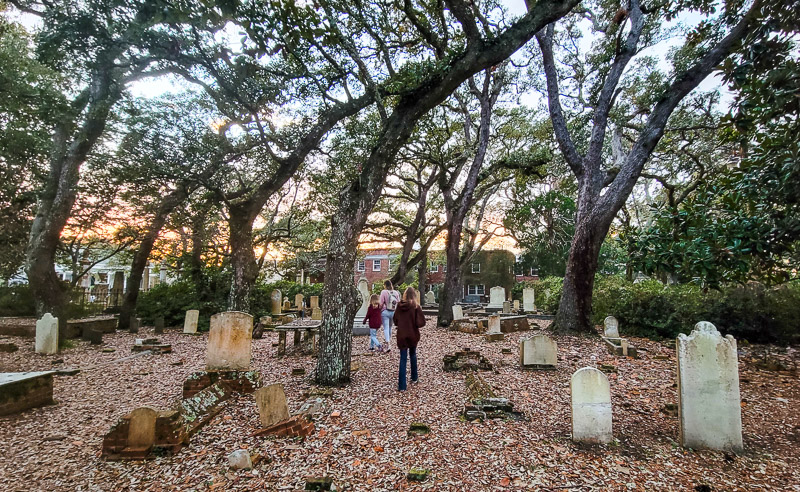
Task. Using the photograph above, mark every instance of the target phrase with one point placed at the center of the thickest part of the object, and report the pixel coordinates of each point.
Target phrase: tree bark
(243, 259)
(422, 273)
(451, 291)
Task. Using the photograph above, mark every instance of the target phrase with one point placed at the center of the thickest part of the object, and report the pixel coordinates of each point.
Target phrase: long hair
(373, 299)
(388, 284)
(410, 296)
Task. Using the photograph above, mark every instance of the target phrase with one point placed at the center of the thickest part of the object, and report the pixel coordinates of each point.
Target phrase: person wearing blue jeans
(388, 301)
(409, 319)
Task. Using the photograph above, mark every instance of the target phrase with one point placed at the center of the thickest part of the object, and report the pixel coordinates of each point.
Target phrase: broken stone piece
(240, 460)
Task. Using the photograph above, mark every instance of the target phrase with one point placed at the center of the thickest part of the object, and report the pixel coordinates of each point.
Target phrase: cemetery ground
(361, 438)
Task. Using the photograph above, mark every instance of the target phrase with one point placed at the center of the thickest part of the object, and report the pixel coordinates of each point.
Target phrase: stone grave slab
(591, 406)
(611, 327)
(538, 352)
(528, 300)
(20, 391)
(497, 296)
(468, 360)
(272, 405)
(47, 335)
(190, 321)
(230, 342)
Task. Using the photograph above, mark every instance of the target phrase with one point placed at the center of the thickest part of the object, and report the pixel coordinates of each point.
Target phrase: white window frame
(434, 268)
(476, 290)
(473, 268)
(361, 266)
(374, 263)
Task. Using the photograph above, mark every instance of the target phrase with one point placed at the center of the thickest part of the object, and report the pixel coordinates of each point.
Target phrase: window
(434, 267)
(476, 268)
(444, 267)
(475, 290)
(361, 266)
(376, 265)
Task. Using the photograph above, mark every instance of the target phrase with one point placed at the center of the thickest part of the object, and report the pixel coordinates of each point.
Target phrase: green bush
(173, 300)
(547, 292)
(16, 300)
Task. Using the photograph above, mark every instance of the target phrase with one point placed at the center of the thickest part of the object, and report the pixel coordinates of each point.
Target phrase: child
(374, 317)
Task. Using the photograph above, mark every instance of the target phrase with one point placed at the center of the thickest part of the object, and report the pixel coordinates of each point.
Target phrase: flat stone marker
(591, 406)
(276, 298)
(458, 312)
(272, 405)
(709, 403)
(20, 391)
(539, 351)
(611, 327)
(47, 335)
(190, 321)
(430, 297)
(298, 301)
(497, 296)
(314, 302)
(528, 300)
(159, 326)
(230, 341)
(142, 428)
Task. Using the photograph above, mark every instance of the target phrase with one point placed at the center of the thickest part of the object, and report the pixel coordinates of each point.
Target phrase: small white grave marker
(591, 406)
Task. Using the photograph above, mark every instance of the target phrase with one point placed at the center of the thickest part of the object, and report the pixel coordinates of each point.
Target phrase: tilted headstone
(298, 300)
(276, 299)
(47, 335)
(314, 302)
(497, 296)
(708, 390)
(430, 298)
(591, 406)
(494, 324)
(142, 428)
(506, 307)
(538, 351)
(133, 327)
(528, 300)
(190, 321)
(159, 326)
(230, 341)
(458, 312)
(611, 327)
(272, 406)
(363, 291)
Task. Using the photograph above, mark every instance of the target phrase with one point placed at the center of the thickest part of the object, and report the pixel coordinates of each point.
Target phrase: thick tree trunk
(422, 273)
(451, 291)
(243, 260)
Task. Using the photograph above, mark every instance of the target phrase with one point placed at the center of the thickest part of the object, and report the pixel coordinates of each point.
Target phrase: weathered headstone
(506, 307)
(591, 406)
(494, 333)
(159, 326)
(363, 291)
(611, 327)
(516, 304)
(418, 297)
(272, 405)
(133, 327)
(316, 313)
(142, 428)
(497, 295)
(298, 301)
(94, 337)
(314, 302)
(458, 312)
(528, 300)
(276, 298)
(708, 390)
(230, 341)
(190, 321)
(287, 305)
(430, 297)
(47, 335)
(539, 351)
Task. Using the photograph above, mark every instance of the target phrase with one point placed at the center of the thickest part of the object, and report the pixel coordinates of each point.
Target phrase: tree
(603, 190)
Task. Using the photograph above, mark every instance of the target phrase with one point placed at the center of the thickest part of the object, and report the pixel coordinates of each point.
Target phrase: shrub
(17, 300)
(172, 301)
(547, 293)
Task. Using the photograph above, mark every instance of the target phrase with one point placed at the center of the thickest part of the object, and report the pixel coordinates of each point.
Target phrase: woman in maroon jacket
(409, 319)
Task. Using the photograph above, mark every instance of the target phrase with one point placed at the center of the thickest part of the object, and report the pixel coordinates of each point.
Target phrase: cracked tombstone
(230, 341)
(190, 321)
(611, 327)
(47, 335)
(591, 406)
(708, 390)
(272, 405)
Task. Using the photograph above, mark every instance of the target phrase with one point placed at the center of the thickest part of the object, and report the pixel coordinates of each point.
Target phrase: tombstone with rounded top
(314, 302)
(591, 406)
(298, 300)
(142, 428)
(430, 297)
(276, 297)
(539, 351)
(458, 312)
(497, 296)
(528, 300)
(190, 321)
(47, 335)
(230, 342)
(611, 327)
(272, 405)
(709, 408)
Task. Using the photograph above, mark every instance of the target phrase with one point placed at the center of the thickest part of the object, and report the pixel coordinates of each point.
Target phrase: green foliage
(173, 300)
(16, 300)
(547, 293)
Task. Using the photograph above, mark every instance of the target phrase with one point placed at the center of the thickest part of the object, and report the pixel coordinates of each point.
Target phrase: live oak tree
(582, 128)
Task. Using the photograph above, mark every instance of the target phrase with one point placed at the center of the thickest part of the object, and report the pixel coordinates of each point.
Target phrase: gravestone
(494, 333)
(298, 301)
(287, 305)
(20, 391)
(538, 352)
(709, 403)
(117, 289)
(516, 304)
(229, 341)
(363, 291)
(430, 298)
(591, 406)
(611, 327)
(190, 321)
(134, 325)
(47, 335)
(159, 326)
(528, 300)
(506, 307)
(272, 406)
(497, 296)
(142, 428)
(418, 298)
(458, 312)
(314, 302)
(94, 337)
(276, 298)
(316, 313)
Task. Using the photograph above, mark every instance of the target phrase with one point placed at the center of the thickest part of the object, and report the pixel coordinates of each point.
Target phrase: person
(409, 319)
(375, 322)
(389, 300)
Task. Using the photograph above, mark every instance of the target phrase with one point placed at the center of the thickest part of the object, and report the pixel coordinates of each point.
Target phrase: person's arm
(420, 317)
(383, 301)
